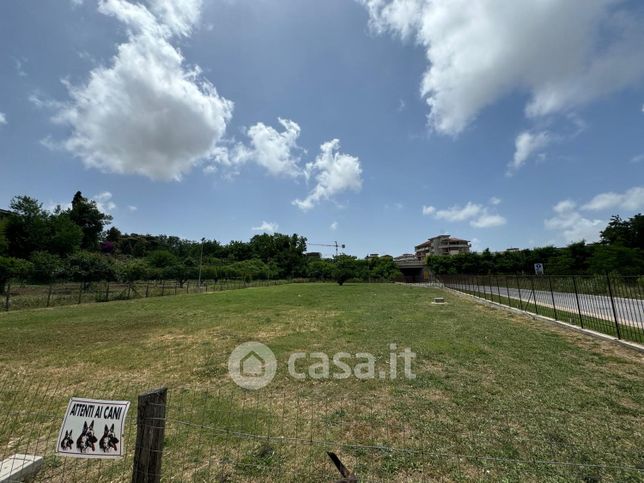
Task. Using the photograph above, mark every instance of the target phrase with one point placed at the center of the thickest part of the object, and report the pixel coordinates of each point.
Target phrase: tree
(90, 219)
(27, 227)
(89, 267)
(616, 258)
(345, 268)
(321, 269)
(65, 236)
(383, 268)
(46, 266)
(13, 268)
(4, 243)
(628, 233)
(133, 270)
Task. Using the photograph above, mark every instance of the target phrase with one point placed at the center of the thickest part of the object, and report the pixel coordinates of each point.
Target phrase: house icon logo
(252, 365)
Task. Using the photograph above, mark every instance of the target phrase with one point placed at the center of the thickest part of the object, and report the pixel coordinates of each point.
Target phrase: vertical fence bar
(552, 295)
(80, 292)
(534, 296)
(7, 296)
(507, 289)
(519, 288)
(150, 431)
(574, 284)
(49, 295)
(612, 303)
(107, 291)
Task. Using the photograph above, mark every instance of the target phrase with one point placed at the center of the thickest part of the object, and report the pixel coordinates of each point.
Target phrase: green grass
(496, 396)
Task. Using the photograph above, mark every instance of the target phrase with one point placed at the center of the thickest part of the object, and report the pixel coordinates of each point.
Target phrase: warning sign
(93, 428)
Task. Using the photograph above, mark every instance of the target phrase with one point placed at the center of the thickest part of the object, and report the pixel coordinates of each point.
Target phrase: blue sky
(511, 126)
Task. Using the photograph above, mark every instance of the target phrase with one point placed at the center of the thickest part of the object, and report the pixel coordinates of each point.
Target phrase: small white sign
(93, 428)
(538, 268)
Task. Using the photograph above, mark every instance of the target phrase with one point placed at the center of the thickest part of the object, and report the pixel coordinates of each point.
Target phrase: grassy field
(496, 396)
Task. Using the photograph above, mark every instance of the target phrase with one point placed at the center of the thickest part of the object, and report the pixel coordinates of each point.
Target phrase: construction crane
(335, 245)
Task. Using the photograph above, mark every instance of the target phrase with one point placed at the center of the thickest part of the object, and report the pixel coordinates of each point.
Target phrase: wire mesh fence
(609, 304)
(228, 434)
(19, 296)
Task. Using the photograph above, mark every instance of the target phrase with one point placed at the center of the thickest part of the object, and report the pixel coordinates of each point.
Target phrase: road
(629, 311)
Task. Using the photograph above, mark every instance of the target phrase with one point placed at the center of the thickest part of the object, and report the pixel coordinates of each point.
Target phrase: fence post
(49, 295)
(552, 294)
(519, 288)
(581, 319)
(7, 296)
(507, 289)
(80, 292)
(534, 296)
(107, 292)
(162, 287)
(147, 289)
(612, 303)
(150, 430)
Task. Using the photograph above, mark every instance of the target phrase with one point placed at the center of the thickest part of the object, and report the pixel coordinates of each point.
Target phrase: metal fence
(609, 304)
(19, 296)
(234, 435)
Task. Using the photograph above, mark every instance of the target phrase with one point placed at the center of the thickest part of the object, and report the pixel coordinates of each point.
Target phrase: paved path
(629, 311)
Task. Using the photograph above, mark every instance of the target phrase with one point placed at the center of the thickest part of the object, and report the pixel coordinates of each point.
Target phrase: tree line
(77, 244)
(619, 251)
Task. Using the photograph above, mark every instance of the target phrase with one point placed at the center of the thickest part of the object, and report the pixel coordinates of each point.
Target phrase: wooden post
(7, 296)
(150, 430)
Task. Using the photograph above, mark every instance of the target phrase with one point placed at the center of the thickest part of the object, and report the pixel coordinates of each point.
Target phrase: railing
(609, 304)
(19, 296)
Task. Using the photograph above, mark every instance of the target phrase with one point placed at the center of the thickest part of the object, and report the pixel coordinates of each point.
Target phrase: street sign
(538, 268)
(93, 428)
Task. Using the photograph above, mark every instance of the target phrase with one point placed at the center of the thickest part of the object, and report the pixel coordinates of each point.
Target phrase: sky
(376, 123)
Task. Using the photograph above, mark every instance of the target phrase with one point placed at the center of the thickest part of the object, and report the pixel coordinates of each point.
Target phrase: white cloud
(478, 215)
(487, 220)
(334, 173)
(266, 227)
(495, 201)
(275, 151)
(3, 119)
(146, 113)
(334, 226)
(104, 202)
(458, 213)
(637, 159)
(527, 144)
(132, 208)
(561, 53)
(573, 225)
(564, 206)
(631, 200)
(428, 210)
